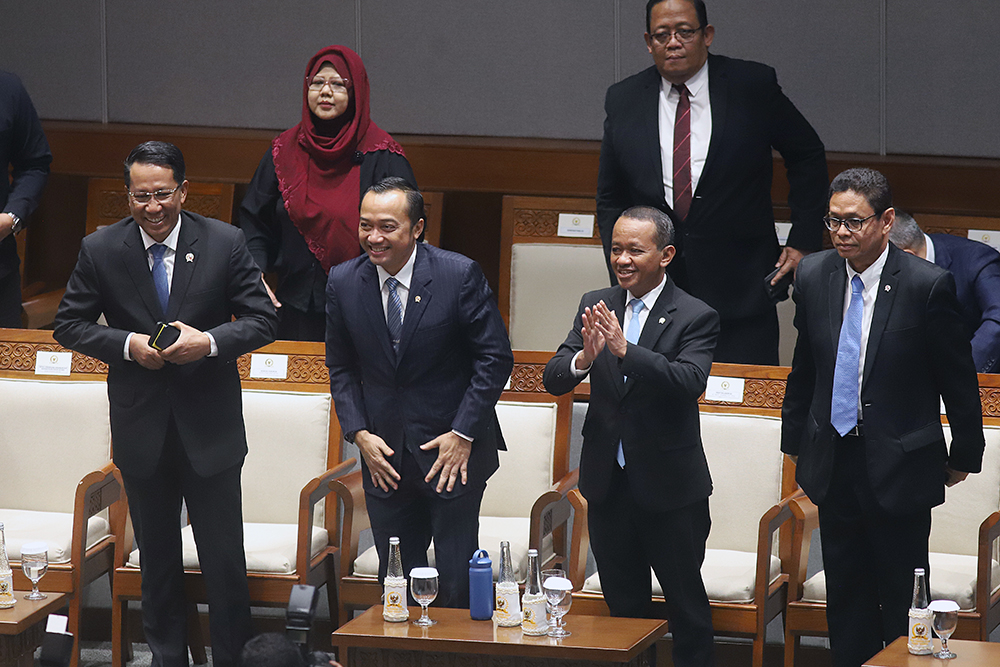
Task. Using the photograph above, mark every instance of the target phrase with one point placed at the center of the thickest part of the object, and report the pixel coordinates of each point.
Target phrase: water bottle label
(508, 610)
(535, 621)
(920, 641)
(7, 590)
(394, 602)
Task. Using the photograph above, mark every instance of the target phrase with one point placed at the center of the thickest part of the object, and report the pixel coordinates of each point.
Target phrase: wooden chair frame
(804, 618)
(764, 390)
(306, 372)
(98, 490)
(550, 512)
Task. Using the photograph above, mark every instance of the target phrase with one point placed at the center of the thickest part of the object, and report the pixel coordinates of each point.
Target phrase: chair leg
(196, 638)
(758, 651)
(791, 644)
(121, 647)
(73, 625)
(333, 596)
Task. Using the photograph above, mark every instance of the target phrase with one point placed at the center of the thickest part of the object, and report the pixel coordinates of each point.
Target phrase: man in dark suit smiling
(418, 358)
(693, 135)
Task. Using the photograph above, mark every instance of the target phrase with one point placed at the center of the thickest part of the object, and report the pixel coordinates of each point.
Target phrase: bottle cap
(919, 571)
(532, 552)
(393, 540)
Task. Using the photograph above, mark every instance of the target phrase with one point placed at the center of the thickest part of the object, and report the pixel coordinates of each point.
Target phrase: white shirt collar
(404, 275)
(929, 249)
(695, 85)
(170, 241)
(649, 298)
(873, 274)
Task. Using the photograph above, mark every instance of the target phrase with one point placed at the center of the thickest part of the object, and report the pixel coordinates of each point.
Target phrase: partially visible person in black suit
(418, 358)
(300, 212)
(647, 346)
(176, 413)
(25, 151)
(976, 267)
(881, 341)
(693, 135)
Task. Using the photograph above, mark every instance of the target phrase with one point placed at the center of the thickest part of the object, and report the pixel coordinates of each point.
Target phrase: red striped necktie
(682, 154)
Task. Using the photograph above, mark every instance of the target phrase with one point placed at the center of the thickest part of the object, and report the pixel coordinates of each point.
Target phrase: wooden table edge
(42, 609)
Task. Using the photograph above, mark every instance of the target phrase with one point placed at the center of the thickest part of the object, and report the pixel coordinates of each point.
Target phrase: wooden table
(970, 654)
(457, 640)
(23, 626)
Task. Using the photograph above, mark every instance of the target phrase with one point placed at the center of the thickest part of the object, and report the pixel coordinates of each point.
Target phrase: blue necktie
(844, 408)
(632, 336)
(394, 317)
(160, 275)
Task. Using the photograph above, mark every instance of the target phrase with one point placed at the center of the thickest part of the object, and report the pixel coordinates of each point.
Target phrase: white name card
(53, 363)
(269, 366)
(783, 229)
(727, 390)
(577, 225)
(990, 237)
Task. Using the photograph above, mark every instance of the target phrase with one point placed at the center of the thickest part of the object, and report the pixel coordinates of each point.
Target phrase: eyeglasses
(162, 196)
(683, 35)
(337, 86)
(852, 224)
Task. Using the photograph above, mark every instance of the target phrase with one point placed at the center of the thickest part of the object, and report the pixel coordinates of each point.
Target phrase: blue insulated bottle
(481, 586)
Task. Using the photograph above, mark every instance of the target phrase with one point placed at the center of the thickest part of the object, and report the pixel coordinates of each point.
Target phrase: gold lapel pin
(417, 298)
(189, 257)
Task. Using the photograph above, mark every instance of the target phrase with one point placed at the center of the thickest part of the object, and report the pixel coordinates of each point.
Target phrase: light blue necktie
(394, 317)
(844, 408)
(160, 281)
(632, 336)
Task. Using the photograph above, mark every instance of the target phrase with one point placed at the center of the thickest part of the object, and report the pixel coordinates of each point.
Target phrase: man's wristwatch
(17, 226)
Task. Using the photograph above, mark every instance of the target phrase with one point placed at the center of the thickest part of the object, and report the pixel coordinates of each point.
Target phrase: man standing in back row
(693, 136)
(880, 343)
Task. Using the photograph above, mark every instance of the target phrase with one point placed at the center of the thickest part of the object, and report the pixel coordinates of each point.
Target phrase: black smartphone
(778, 292)
(165, 336)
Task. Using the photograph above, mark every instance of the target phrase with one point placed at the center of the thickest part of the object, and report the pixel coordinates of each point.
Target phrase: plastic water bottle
(394, 589)
(508, 606)
(481, 586)
(535, 621)
(920, 641)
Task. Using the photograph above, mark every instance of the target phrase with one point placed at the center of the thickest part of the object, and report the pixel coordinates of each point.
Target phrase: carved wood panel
(757, 393)
(308, 369)
(527, 377)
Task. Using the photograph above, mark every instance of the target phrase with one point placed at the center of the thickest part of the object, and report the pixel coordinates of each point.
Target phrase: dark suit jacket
(112, 276)
(976, 267)
(728, 244)
(453, 361)
(654, 414)
(917, 351)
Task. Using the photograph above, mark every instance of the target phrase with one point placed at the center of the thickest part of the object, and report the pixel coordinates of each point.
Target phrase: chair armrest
(989, 532)
(770, 523)
(548, 510)
(314, 491)
(97, 490)
(806, 520)
(351, 492)
(580, 547)
(39, 309)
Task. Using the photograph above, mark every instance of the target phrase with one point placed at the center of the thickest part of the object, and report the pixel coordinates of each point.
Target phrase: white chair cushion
(53, 528)
(288, 435)
(269, 547)
(492, 530)
(540, 318)
(526, 468)
(67, 422)
(741, 448)
(955, 524)
(728, 576)
(953, 577)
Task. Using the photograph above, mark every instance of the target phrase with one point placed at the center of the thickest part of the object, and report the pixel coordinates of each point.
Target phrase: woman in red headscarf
(300, 213)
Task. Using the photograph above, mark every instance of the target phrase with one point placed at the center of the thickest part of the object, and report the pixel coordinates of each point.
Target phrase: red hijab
(318, 163)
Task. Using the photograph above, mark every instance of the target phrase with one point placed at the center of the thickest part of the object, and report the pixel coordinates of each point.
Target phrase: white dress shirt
(701, 128)
(871, 277)
(929, 249)
(404, 276)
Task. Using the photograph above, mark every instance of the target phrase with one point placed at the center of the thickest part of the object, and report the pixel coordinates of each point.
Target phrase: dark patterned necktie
(682, 154)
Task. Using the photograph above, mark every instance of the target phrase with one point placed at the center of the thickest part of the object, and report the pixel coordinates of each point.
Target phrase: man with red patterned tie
(693, 136)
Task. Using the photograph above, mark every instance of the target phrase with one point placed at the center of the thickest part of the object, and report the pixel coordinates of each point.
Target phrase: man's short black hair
(664, 235)
(271, 650)
(699, 8)
(414, 200)
(160, 153)
(868, 183)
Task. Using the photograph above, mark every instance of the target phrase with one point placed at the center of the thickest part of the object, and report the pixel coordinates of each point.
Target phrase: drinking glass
(35, 563)
(945, 622)
(559, 596)
(424, 587)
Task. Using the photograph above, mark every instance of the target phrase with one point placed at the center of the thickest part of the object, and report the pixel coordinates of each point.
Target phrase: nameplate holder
(990, 237)
(724, 390)
(576, 225)
(269, 366)
(53, 363)
(782, 229)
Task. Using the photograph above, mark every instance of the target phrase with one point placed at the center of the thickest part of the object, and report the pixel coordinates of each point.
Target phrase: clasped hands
(452, 460)
(192, 345)
(600, 328)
